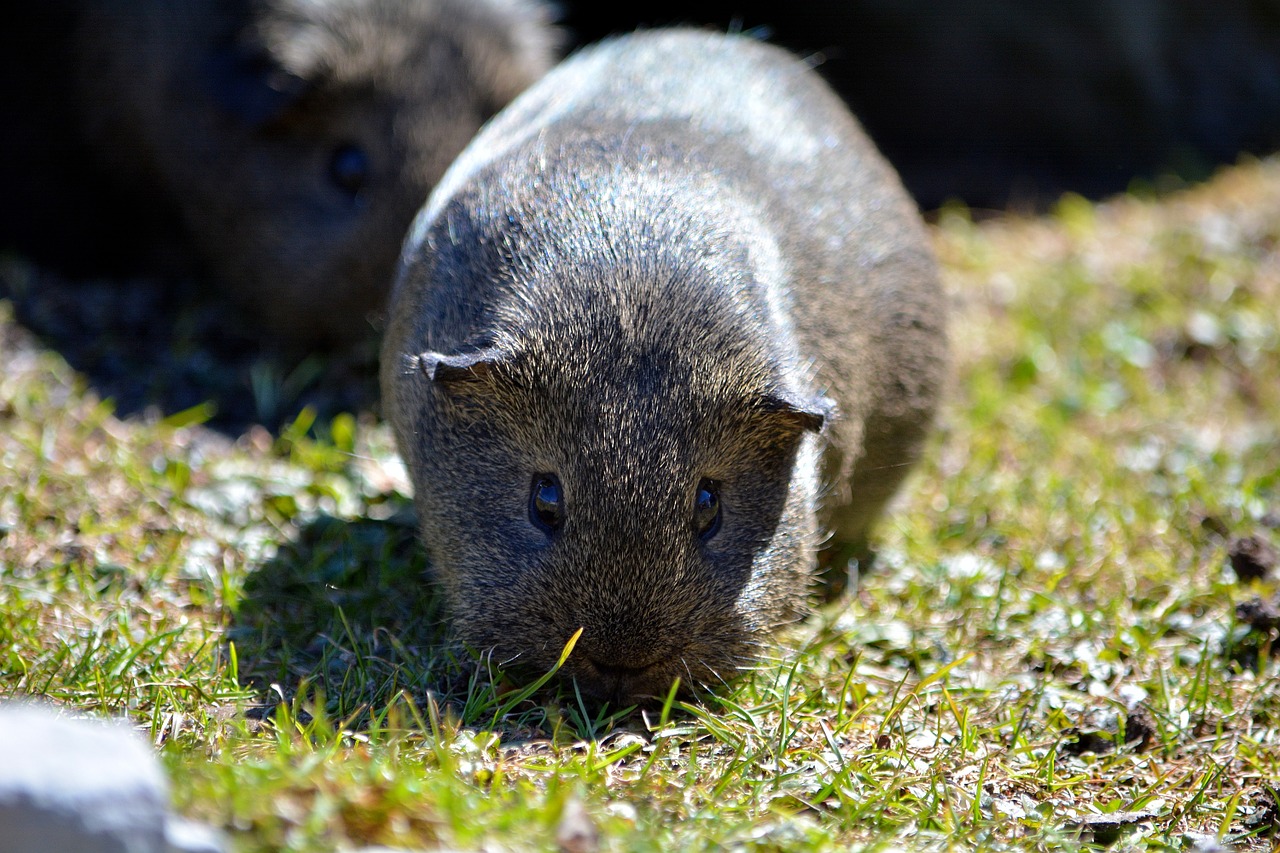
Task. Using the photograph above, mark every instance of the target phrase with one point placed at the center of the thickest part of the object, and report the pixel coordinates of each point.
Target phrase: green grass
(1053, 583)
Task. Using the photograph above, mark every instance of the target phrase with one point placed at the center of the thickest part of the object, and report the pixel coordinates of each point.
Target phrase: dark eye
(349, 169)
(546, 503)
(706, 509)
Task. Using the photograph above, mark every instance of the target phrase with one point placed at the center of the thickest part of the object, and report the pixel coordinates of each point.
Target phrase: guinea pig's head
(333, 122)
(653, 488)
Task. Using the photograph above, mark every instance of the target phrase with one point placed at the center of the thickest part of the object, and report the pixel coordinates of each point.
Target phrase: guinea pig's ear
(810, 414)
(284, 51)
(467, 367)
(248, 82)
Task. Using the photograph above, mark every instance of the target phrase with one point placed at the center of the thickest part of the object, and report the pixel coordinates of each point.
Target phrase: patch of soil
(1259, 614)
(1252, 557)
(1106, 829)
(1266, 812)
(1101, 733)
(1140, 727)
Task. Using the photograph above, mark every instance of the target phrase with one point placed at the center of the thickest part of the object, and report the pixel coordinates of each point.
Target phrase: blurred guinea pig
(282, 145)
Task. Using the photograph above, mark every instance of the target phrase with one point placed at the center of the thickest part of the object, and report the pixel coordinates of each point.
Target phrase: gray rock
(85, 786)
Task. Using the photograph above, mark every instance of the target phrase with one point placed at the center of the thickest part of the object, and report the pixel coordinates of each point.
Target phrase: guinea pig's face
(674, 527)
(322, 197)
(334, 123)
(322, 204)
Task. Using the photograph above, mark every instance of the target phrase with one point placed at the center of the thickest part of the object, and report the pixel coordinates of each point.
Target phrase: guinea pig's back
(858, 282)
(730, 90)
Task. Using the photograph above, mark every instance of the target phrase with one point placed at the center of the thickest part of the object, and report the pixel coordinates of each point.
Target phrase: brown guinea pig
(289, 141)
(668, 327)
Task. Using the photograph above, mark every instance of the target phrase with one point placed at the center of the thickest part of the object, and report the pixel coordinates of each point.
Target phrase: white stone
(84, 786)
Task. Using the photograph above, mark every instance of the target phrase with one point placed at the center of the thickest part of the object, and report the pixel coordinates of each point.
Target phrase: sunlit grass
(1049, 633)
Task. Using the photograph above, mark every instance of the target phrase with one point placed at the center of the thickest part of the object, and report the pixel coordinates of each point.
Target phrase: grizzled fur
(293, 140)
(675, 259)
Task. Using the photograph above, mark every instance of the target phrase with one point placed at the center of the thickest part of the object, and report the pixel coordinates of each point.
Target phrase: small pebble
(577, 832)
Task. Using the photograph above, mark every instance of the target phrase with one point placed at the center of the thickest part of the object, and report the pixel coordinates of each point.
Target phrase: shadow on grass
(168, 344)
(347, 613)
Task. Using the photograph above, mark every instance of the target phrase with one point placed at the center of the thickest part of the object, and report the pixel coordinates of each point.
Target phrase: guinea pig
(290, 141)
(668, 328)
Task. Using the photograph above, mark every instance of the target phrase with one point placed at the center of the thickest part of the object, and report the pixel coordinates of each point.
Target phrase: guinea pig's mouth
(621, 686)
(645, 685)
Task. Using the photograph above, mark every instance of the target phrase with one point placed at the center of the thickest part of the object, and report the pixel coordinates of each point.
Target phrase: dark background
(1001, 102)
(997, 103)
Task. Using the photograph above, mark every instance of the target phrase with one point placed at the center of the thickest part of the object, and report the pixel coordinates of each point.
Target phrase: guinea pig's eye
(546, 503)
(706, 509)
(349, 169)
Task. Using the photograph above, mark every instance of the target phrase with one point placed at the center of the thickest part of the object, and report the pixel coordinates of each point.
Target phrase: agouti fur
(676, 282)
